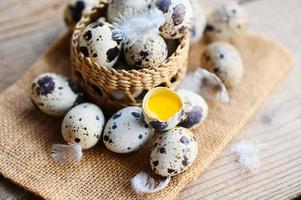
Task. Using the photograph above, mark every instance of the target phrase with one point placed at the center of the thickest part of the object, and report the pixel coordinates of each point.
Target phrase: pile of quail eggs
(174, 149)
(128, 130)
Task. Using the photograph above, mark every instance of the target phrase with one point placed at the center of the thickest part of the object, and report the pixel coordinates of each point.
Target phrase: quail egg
(118, 8)
(126, 131)
(76, 9)
(173, 152)
(54, 94)
(146, 53)
(98, 43)
(227, 21)
(162, 108)
(195, 108)
(199, 22)
(178, 17)
(225, 61)
(83, 124)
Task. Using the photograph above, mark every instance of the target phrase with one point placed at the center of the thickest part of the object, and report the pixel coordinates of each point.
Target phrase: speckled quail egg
(195, 108)
(225, 61)
(83, 124)
(117, 8)
(98, 43)
(173, 152)
(126, 131)
(151, 51)
(162, 108)
(178, 17)
(76, 9)
(199, 22)
(226, 22)
(54, 94)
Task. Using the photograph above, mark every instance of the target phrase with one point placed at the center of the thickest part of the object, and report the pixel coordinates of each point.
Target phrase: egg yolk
(164, 104)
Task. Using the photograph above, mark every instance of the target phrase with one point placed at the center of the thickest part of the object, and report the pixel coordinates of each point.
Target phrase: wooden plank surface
(28, 27)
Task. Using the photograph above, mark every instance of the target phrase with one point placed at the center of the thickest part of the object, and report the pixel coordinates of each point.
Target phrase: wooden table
(28, 27)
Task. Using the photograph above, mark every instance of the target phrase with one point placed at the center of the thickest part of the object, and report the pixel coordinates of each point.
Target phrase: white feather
(66, 153)
(248, 155)
(135, 25)
(143, 183)
(207, 84)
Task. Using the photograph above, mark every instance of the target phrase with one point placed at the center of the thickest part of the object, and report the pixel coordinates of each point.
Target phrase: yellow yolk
(164, 104)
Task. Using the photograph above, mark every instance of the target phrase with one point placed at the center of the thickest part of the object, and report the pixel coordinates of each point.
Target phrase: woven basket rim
(85, 20)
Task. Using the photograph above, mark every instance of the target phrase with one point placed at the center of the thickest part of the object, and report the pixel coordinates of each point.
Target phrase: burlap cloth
(27, 134)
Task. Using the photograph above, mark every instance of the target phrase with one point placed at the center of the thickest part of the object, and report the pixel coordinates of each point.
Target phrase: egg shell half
(126, 131)
(83, 124)
(163, 106)
(173, 152)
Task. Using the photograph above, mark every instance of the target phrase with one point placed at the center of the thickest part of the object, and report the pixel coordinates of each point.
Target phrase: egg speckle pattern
(118, 8)
(54, 94)
(225, 61)
(98, 43)
(227, 21)
(83, 124)
(178, 17)
(173, 152)
(76, 9)
(126, 131)
(148, 52)
(195, 108)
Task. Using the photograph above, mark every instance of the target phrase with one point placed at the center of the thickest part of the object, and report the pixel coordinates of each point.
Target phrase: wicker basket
(118, 88)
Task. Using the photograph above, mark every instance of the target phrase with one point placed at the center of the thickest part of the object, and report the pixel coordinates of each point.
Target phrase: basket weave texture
(100, 82)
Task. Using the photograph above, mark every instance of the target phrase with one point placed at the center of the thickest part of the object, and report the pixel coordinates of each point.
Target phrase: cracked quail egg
(195, 108)
(162, 108)
(76, 9)
(117, 8)
(151, 51)
(98, 43)
(54, 94)
(225, 61)
(126, 131)
(227, 21)
(173, 152)
(178, 17)
(83, 124)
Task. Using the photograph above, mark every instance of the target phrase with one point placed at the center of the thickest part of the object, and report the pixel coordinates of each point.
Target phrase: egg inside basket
(119, 86)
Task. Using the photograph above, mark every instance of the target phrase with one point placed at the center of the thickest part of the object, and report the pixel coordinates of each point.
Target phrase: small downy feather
(144, 183)
(135, 25)
(67, 153)
(248, 155)
(207, 84)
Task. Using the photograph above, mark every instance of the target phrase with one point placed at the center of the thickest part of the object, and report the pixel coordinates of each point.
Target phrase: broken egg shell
(227, 21)
(83, 124)
(178, 17)
(126, 131)
(75, 9)
(162, 108)
(54, 94)
(98, 43)
(173, 152)
(117, 8)
(151, 51)
(225, 61)
(195, 109)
